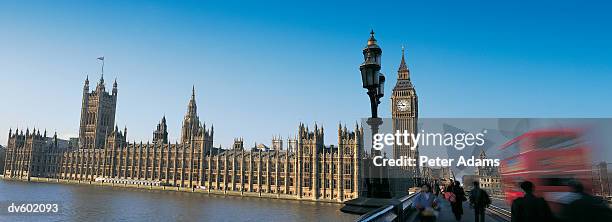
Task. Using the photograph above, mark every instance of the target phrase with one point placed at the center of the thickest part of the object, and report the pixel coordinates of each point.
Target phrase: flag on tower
(101, 58)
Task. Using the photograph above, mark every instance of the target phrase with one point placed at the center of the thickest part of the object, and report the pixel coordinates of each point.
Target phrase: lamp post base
(377, 180)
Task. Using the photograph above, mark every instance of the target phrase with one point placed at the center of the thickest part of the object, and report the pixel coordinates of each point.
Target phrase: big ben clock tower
(404, 112)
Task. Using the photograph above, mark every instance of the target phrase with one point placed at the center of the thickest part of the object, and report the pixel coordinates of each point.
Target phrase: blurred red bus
(548, 158)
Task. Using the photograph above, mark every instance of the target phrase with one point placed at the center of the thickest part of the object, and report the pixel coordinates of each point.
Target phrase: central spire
(191, 122)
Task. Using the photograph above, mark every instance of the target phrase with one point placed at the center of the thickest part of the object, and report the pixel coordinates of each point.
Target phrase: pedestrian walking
(427, 204)
(529, 207)
(448, 192)
(456, 198)
(479, 200)
(436, 187)
(585, 207)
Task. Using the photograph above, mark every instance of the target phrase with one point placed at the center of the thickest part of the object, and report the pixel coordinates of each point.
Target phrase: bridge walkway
(446, 213)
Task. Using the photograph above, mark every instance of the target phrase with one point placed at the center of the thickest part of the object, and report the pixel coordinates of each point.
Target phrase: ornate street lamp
(376, 186)
(371, 77)
(374, 81)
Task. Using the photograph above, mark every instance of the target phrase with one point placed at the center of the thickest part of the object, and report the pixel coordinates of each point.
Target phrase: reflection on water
(87, 203)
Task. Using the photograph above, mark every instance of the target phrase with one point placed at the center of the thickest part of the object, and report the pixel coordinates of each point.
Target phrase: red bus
(548, 158)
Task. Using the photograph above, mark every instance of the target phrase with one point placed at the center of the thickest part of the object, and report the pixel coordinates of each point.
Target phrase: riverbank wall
(166, 188)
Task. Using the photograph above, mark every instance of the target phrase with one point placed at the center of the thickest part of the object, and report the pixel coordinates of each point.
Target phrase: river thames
(101, 203)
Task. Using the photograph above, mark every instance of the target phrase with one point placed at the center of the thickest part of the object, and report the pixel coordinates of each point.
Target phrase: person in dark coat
(585, 207)
(436, 188)
(479, 200)
(457, 205)
(530, 207)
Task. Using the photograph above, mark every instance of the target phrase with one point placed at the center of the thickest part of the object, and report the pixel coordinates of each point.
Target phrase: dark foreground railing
(399, 210)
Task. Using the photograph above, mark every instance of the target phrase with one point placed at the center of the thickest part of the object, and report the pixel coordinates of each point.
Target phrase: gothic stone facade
(489, 177)
(97, 114)
(306, 169)
(32, 155)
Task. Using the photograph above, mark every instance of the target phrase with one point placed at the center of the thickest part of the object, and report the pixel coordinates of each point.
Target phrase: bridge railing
(402, 210)
(398, 210)
(499, 213)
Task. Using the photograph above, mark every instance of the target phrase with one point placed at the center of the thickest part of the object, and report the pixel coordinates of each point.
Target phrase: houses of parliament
(301, 167)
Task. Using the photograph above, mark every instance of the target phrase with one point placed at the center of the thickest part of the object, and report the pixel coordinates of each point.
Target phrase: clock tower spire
(403, 72)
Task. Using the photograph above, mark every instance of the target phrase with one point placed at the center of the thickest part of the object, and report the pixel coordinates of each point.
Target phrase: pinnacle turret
(86, 85)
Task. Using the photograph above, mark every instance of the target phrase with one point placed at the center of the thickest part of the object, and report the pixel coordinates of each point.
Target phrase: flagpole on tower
(102, 58)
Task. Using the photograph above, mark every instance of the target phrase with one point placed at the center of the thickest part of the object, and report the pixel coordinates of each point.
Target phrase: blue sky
(260, 68)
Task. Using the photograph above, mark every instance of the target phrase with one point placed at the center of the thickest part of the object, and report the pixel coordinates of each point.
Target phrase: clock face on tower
(403, 105)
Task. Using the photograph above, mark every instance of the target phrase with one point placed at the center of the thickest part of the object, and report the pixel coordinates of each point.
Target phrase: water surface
(101, 203)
